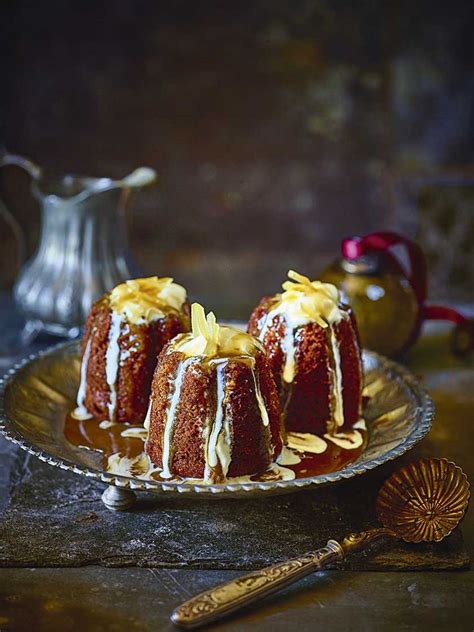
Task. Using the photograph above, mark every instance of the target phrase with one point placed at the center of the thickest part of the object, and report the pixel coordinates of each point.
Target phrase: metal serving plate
(38, 392)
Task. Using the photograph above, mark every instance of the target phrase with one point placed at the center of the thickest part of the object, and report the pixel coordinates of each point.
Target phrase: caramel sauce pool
(332, 459)
(89, 435)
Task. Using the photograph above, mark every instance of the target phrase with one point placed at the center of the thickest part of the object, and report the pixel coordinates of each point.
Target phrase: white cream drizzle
(306, 442)
(258, 396)
(90, 448)
(170, 416)
(288, 457)
(217, 345)
(302, 302)
(287, 343)
(218, 437)
(81, 412)
(283, 473)
(106, 424)
(135, 432)
(275, 472)
(136, 467)
(349, 440)
(112, 359)
(218, 449)
(127, 353)
(336, 374)
(142, 468)
(146, 421)
(289, 348)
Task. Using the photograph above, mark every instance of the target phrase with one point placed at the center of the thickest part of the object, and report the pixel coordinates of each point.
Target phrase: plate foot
(118, 499)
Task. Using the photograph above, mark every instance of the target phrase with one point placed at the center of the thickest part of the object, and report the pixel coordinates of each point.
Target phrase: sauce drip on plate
(107, 440)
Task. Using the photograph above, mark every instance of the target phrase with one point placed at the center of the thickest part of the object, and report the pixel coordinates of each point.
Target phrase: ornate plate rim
(425, 414)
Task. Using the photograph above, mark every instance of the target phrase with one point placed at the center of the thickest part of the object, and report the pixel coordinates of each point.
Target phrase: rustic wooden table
(97, 598)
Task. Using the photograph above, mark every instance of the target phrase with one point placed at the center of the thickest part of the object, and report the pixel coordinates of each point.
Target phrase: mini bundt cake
(125, 331)
(312, 345)
(214, 410)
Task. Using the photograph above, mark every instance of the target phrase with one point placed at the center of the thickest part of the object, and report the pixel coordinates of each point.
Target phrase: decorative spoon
(423, 502)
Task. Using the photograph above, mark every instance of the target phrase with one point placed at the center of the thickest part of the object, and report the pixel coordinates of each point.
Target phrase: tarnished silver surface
(82, 251)
(118, 498)
(36, 395)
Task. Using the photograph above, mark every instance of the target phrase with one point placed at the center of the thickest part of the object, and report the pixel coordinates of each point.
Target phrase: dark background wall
(277, 128)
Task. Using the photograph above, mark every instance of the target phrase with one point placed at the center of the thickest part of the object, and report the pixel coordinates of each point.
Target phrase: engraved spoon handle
(215, 603)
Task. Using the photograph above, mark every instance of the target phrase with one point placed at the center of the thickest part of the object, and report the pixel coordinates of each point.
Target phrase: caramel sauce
(89, 435)
(332, 459)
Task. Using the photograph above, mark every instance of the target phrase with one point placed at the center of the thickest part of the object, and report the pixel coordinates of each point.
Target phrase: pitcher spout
(141, 177)
(77, 188)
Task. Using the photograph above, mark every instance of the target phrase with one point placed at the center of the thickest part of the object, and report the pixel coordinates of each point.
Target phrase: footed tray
(37, 394)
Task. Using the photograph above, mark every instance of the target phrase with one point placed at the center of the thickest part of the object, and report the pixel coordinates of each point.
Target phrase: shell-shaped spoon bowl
(424, 501)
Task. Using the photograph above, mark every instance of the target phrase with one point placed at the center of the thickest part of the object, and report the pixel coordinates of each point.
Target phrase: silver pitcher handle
(12, 159)
(7, 159)
(13, 341)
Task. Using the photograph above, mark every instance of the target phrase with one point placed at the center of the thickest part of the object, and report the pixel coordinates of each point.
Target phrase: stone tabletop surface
(37, 595)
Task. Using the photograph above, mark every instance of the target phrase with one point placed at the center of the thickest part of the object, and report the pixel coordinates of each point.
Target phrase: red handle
(462, 339)
(354, 247)
(440, 312)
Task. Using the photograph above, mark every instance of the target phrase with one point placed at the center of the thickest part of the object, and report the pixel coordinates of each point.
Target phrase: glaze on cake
(312, 345)
(125, 331)
(214, 410)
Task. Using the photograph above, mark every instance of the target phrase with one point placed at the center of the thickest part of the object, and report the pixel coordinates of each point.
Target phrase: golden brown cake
(125, 331)
(214, 410)
(312, 345)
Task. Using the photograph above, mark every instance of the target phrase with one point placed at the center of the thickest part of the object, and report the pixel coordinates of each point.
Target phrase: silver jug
(82, 250)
